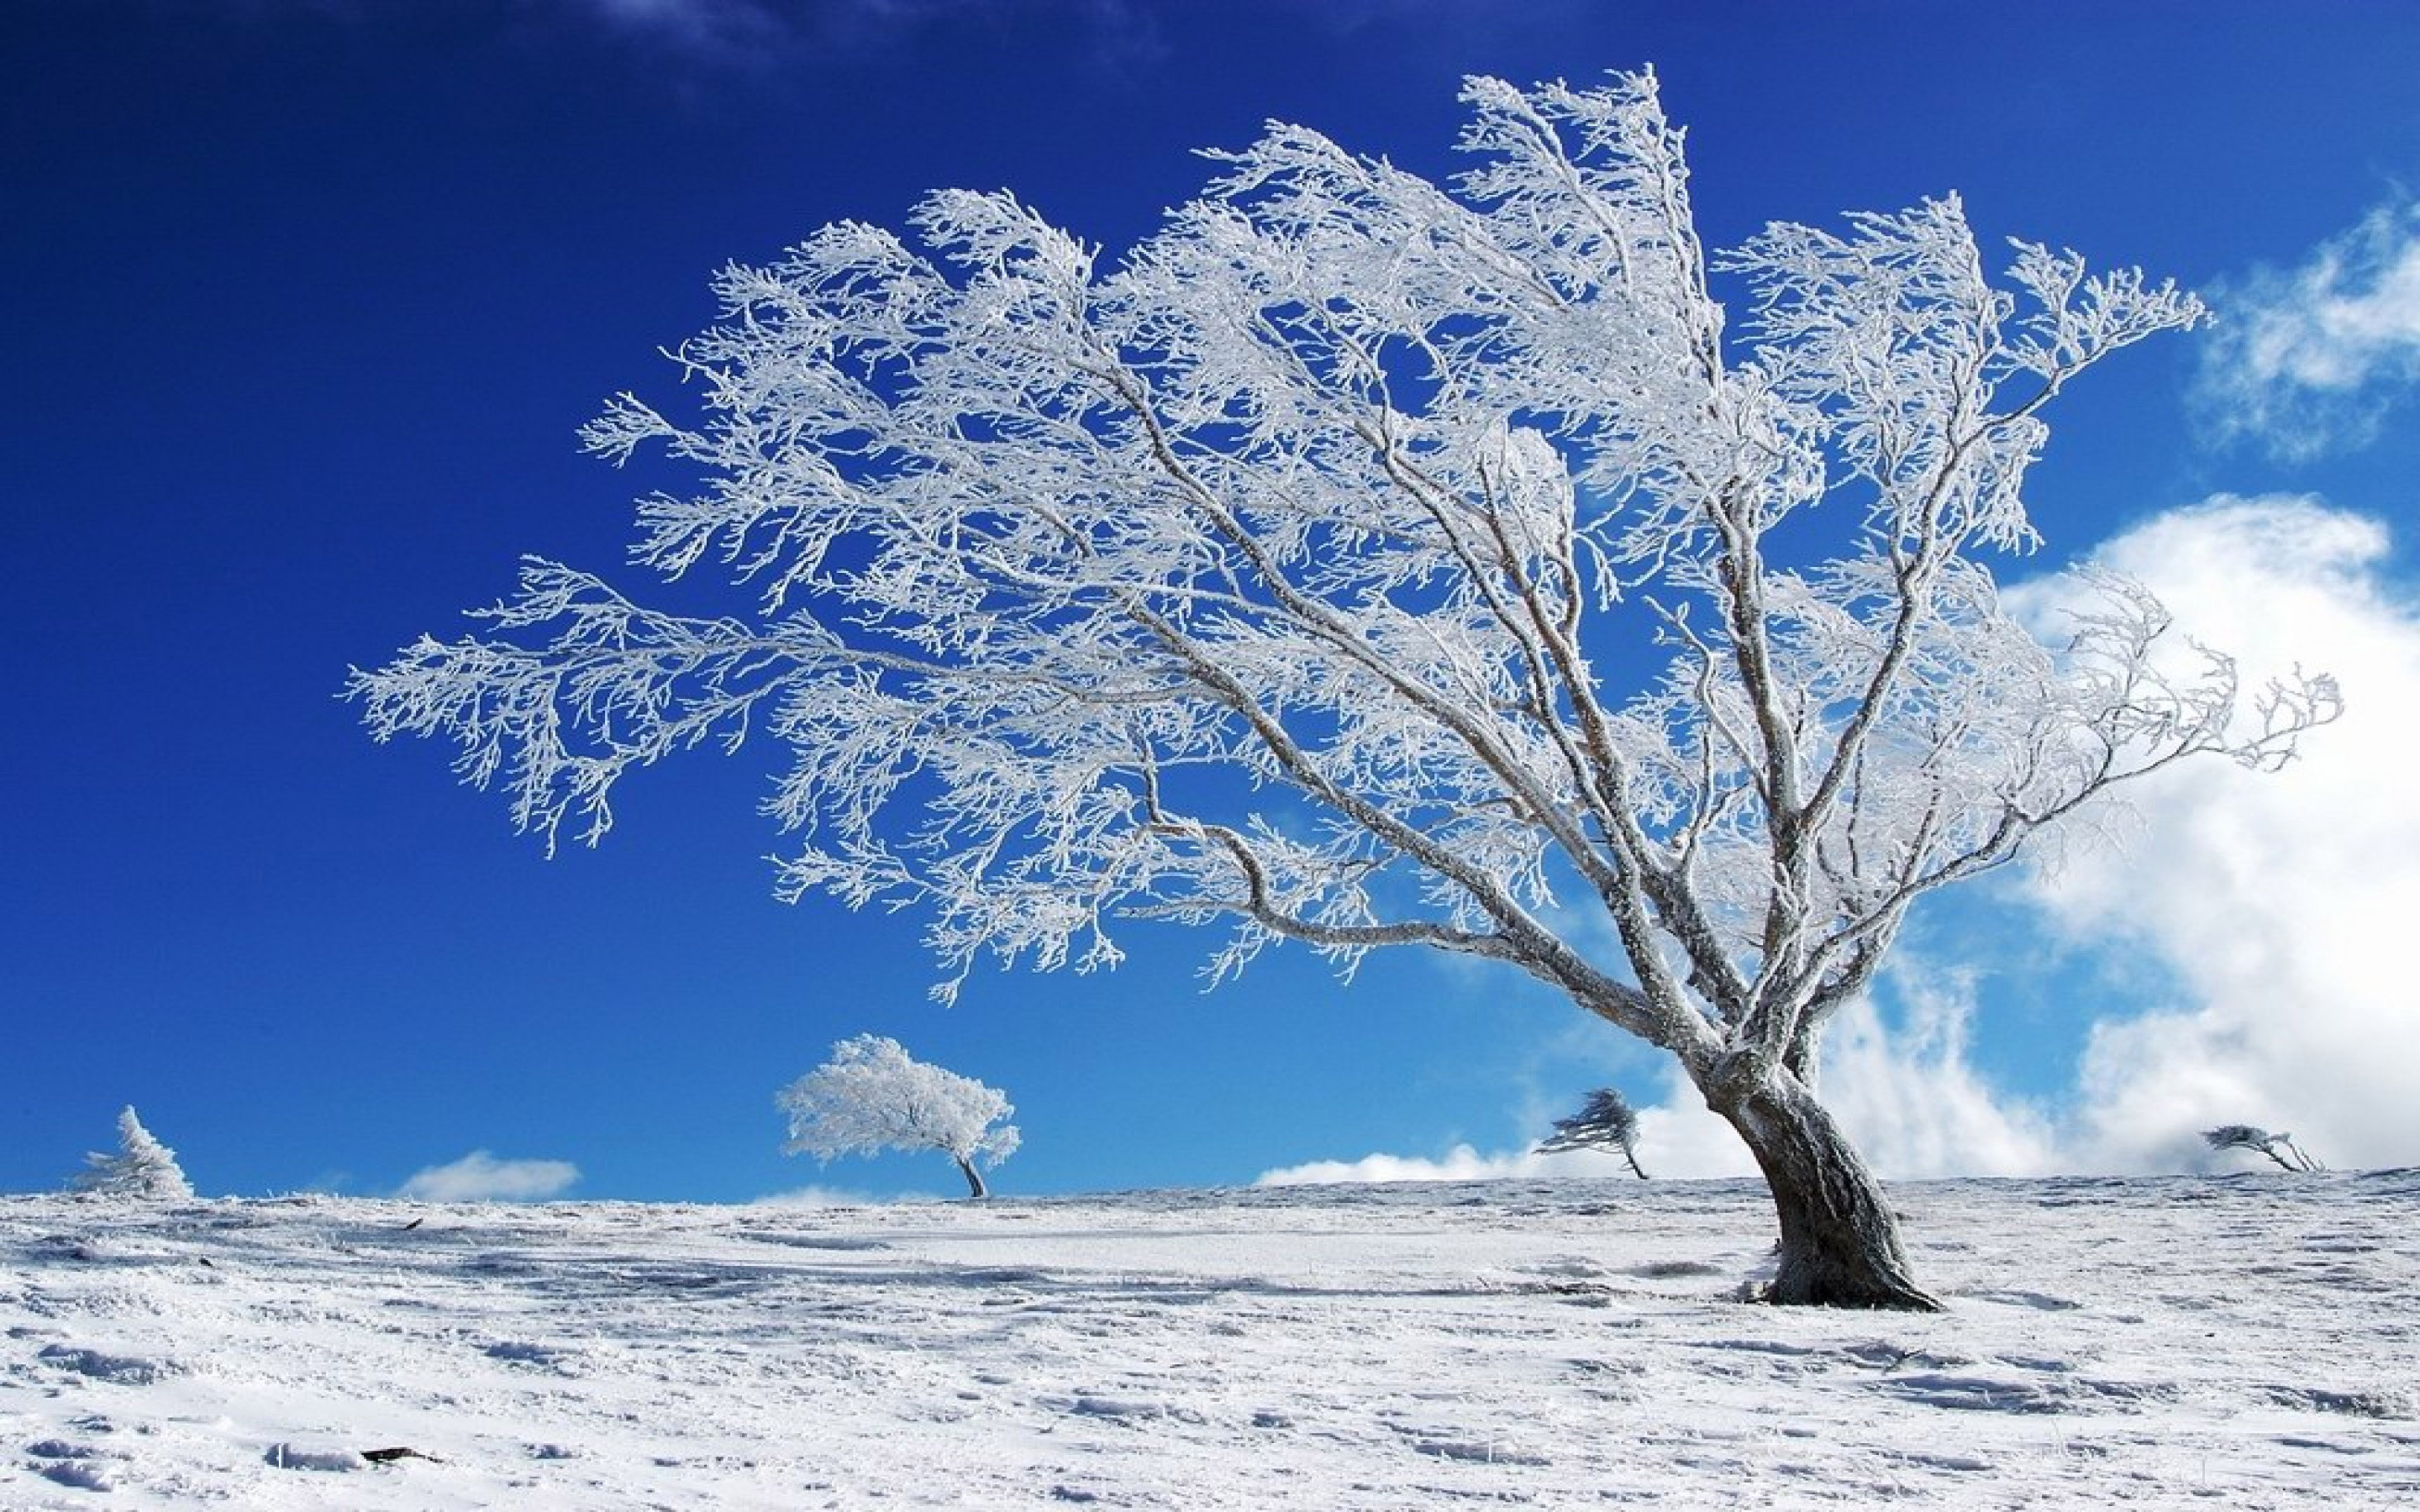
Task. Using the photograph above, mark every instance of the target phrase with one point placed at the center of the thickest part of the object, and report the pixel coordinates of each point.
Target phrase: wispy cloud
(720, 35)
(1114, 33)
(717, 28)
(480, 1177)
(2314, 358)
(2271, 911)
(1910, 1097)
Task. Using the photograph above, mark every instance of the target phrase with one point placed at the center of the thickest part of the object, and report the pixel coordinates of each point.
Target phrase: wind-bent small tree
(1605, 1121)
(2278, 1147)
(1456, 521)
(873, 1096)
(143, 1168)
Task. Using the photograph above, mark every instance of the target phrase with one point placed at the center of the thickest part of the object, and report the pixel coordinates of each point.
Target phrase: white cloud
(1116, 34)
(1908, 1098)
(1460, 1163)
(1913, 1102)
(2314, 358)
(2272, 907)
(703, 26)
(2278, 903)
(1676, 1138)
(480, 1177)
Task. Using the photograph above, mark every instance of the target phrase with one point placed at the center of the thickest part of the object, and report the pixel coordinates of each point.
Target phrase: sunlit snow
(2237, 1342)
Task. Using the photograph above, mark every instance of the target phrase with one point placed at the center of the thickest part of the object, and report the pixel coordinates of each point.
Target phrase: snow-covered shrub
(143, 1168)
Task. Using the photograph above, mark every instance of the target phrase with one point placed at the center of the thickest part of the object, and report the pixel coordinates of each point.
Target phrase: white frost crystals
(873, 1096)
(143, 1170)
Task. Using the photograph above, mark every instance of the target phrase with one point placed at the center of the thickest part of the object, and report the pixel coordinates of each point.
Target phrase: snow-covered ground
(2237, 1342)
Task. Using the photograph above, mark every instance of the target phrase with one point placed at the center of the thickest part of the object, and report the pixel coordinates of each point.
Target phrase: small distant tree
(873, 1096)
(2278, 1147)
(1607, 1122)
(143, 1168)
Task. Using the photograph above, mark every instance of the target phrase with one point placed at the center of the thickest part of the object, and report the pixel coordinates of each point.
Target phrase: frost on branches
(1363, 561)
(2278, 1147)
(872, 1096)
(143, 1169)
(1605, 1121)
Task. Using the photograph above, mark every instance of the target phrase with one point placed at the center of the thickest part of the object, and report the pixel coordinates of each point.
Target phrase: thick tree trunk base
(1818, 1280)
(975, 1188)
(1839, 1239)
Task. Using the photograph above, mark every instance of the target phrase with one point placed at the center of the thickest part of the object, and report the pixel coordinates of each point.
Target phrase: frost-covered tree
(1365, 561)
(2278, 1147)
(143, 1167)
(1605, 1121)
(873, 1096)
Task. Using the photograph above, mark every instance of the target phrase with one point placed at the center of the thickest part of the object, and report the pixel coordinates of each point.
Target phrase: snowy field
(2237, 1342)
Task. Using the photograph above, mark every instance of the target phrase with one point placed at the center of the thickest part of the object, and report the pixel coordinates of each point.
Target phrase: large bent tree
(1454, 521)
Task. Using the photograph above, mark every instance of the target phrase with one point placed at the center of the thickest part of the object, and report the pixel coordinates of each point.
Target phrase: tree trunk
(974, 1178)
(1840, 1238)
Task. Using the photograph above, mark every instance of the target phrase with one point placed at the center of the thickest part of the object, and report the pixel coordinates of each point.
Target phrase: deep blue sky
(303, 300)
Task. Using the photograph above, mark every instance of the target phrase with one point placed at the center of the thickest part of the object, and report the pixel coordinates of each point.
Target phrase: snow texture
(2244, 1341)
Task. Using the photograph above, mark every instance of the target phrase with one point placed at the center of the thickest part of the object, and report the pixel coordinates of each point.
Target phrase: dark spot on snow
(1958, 1462)
(2352, 1403)
(1606, 1367)
(286, 1456)
(1478, 1451)
(1000, 1276)
(2039, 1300)
(493, 1264)
(1894, 1357)
(81, 1474)
(1758, 1347)
(846, 1243)
(1983, 1394)
(1674, 1270)
(2131, 1391)
(119, 1369)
